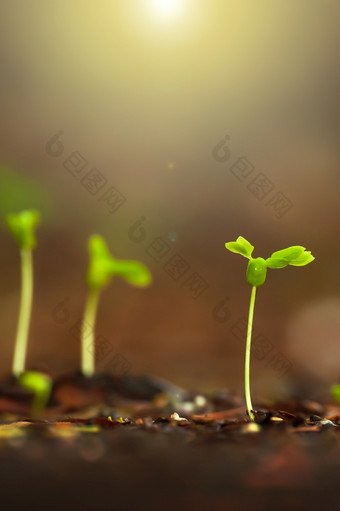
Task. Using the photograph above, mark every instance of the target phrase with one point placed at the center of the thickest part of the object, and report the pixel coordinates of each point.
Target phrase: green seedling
(40, 385)
(102, 267)
(21, 227)
(256, 276)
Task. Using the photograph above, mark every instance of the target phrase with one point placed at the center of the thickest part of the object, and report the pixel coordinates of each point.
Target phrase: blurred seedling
(102, 267)
(256, 276)
(22, 228)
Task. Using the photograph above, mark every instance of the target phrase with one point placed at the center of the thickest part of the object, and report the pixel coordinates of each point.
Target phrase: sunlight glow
(167, 8)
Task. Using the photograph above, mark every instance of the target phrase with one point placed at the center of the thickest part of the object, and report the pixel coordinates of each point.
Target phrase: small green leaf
(295, 256)
(102, 267)
(289, 253)
(21, 226)
(274, 263)
(303, 259)
(134, 272)
(240, 246)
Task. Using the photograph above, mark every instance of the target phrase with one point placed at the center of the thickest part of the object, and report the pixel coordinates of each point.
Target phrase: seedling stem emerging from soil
(256, 276)
(21, 227)
(102, 267)
(40, 385)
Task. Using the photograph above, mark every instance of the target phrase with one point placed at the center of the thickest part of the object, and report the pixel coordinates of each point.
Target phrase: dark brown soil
(141, 443)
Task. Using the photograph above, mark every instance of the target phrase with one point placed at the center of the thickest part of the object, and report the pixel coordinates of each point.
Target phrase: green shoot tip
(22, 225)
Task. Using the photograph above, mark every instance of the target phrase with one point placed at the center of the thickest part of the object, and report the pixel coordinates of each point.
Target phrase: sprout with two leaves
(256, 276)
(102, 267)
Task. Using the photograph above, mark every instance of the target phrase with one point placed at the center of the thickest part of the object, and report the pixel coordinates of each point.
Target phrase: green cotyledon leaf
(134, 272)
(295, 256)
(274, 263)
(102, 267)
(240, 246)
(288, 253)
(303, 259)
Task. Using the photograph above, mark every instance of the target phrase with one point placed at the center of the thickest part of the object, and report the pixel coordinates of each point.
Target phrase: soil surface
(142, 443)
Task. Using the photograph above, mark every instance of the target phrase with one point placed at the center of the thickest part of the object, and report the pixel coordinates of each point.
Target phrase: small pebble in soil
(276, 419)
(327, 423)
(175, 417)
(251, 427)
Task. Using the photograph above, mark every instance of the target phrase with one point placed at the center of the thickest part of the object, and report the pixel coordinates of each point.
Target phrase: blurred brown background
(143, 92)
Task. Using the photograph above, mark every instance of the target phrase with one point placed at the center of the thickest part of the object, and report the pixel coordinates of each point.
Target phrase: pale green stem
(39, 403)
(247, 361)
(25, 312)
(88, 338)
